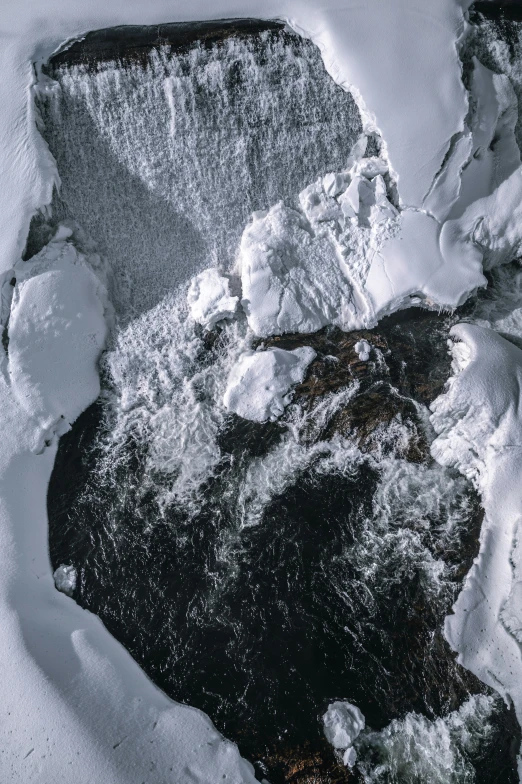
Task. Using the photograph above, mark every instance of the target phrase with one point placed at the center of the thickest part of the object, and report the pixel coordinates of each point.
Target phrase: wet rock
(407, 367)
(133, 43)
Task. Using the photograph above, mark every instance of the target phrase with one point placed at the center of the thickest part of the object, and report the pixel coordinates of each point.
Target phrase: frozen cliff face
(163, 157)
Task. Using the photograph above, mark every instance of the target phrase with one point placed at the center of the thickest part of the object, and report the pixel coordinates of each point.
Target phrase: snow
(260, 383)
(209, 298)
(303, 269)
(65, 579)
(57, 330)
(362, 348)
(343, 723)
(479, 425)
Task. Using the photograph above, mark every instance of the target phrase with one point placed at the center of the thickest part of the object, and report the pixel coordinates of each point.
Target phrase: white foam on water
(417, 750)
(167, 401)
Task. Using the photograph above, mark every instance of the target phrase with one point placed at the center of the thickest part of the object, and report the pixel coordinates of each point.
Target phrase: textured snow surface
(57, 330)
(260, 383)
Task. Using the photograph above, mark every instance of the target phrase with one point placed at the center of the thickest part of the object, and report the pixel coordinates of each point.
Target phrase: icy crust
(479, 426)
(260, 384)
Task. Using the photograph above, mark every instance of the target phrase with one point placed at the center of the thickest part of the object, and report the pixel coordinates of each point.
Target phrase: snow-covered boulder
(65, 579)
(260, 383)
(343, 722)
(209, 298)
(57, 330)
(362, 349)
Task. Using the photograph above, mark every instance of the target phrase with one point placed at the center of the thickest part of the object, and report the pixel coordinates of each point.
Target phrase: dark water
(263, 627)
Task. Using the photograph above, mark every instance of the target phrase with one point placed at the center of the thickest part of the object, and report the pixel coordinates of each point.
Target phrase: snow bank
(479, 425)
(343, 723)
(259, 385)
(56, 331)
(349, 257)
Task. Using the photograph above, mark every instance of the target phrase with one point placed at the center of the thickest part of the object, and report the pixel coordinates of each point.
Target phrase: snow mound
(259, 385)
(65, 579)
(362, 349)
(57, 331)
(303, 269)
(343, 723)
(209, 298)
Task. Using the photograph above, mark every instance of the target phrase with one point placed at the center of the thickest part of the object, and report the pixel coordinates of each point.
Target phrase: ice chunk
(259, 385)
(209, 298)
(350, 757)
(342, 724)
(65, 579)
(363, 348)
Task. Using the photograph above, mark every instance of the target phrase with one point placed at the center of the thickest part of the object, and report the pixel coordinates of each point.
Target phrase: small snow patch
(259, 385)
(209, 298)
(65, 579)
(363, 348)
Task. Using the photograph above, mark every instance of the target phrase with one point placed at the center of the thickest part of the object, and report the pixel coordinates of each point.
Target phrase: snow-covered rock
(57, 330)
(303, 269)
(362, 348)
(343, 722)
(65, 579)
(209, 298)
(260, 383)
